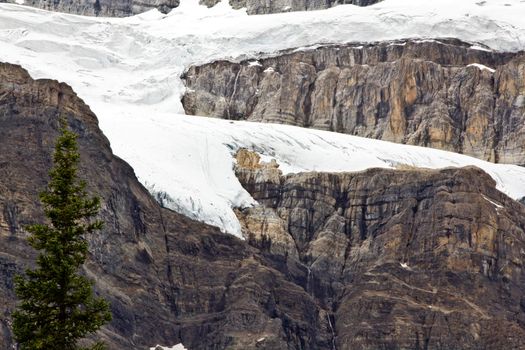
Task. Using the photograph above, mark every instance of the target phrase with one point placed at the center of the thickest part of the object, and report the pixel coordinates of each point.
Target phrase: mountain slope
(172, 280)
(128, 69)
(396, 254)
(188, 161)
(168, 279)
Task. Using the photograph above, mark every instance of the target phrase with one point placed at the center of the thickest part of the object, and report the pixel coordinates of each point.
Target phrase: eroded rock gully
(430, 93)
(412, 259)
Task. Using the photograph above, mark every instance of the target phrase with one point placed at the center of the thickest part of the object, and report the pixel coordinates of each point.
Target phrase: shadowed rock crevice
(434, 93)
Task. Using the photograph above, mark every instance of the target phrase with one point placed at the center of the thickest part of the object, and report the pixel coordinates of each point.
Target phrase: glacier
(128, 71)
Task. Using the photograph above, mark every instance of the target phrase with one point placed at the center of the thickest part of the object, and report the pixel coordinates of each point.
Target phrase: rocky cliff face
(259, 7)
(442, 94)
(105, 8)
(412, 259)
(124, 8)
(169, 279)
(377, 260)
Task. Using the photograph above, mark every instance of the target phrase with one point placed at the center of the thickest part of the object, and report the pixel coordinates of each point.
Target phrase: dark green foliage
(57, 304)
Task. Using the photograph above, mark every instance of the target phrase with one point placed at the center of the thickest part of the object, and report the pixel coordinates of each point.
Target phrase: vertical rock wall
(439, 94)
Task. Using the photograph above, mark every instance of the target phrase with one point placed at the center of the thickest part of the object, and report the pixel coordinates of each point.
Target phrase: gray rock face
(423, 93)
(124, 8)
(106, 8)
(415, 259)
(259, 7)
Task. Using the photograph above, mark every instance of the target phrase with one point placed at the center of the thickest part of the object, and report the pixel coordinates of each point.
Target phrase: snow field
(191, 159)
(128, 70)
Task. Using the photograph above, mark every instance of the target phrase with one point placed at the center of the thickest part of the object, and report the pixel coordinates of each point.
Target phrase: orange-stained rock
(420, 93)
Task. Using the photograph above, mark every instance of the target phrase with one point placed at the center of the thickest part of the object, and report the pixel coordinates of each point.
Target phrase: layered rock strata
(169, 279)
(380, 259)
(124, 8)
(435, 93)
(103, 8)
(412, 259)
(258, 7)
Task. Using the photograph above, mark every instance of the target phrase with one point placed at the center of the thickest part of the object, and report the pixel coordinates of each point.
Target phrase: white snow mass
(174, 347)
(128, 71)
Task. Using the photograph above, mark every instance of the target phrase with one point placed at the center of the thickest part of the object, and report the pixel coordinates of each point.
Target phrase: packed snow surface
(174, 347)
(128, 70)
(481, 67)
(190, 158)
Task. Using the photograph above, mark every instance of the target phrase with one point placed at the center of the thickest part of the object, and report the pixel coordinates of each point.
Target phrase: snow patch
(174, 347)
(481, 67)
(405, 266)
(480, 48)
(520, 101)
(497, 205)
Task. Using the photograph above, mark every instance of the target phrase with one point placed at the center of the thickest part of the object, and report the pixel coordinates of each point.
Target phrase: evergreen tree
(57, 306)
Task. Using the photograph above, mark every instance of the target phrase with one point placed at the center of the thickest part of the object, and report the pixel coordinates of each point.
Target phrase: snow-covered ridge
(139, 59)
(128, 70)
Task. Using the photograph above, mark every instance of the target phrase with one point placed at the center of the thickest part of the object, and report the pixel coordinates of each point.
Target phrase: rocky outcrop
(169, 279)
(259, 7)
(413, 259)
(124, 8)
(441, 93)
(104, 8)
